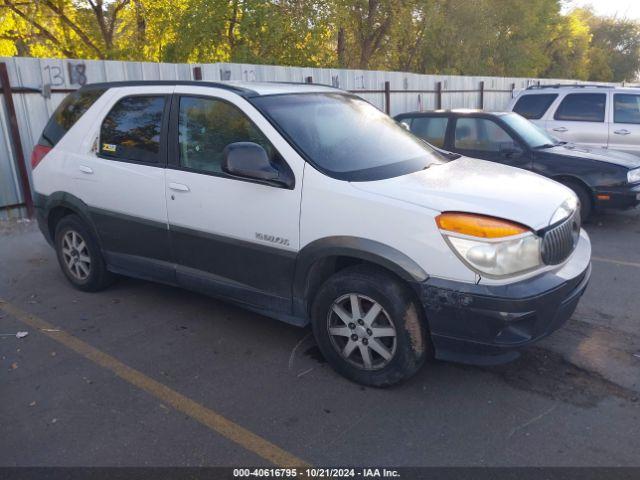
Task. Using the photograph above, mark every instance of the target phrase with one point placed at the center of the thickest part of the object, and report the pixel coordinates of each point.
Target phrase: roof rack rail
(568, 85)
(145, 83)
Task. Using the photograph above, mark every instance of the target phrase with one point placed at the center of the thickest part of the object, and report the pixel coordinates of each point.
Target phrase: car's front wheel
(369, 327)
(586, 203)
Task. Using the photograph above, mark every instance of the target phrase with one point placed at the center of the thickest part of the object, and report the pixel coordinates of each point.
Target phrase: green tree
(568, 48)
(617, 40)
(85, 29)
(465, 37)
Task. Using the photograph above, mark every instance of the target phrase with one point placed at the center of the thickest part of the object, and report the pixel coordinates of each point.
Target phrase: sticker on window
(108, 147)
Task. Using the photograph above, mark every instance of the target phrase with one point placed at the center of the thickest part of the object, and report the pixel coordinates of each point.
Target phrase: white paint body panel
(121, 187)
(478, 186)
(333, 207)
(399, 212)
(235, 208)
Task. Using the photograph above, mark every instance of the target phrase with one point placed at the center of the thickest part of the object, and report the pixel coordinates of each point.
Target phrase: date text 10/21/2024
(316, 472)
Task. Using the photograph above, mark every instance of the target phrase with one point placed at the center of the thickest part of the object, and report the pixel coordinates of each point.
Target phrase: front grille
(558, 242)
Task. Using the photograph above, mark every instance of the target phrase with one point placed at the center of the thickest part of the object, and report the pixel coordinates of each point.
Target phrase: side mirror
(510, 150)
(250, 160)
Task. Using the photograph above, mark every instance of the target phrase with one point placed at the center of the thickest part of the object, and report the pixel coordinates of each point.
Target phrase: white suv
(592, 115)
(309, 205)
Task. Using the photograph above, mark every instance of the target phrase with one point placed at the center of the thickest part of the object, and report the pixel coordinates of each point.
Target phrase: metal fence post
(482, 95)
(309, 79)
(439, 96)
(387, 97)
(197, 73)
(513, 89)
(15, 138)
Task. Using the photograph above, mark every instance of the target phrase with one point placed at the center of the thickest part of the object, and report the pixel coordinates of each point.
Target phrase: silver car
(593, 115)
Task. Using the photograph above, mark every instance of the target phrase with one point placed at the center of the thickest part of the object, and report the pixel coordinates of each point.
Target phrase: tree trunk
(141, 23)
(341, 49)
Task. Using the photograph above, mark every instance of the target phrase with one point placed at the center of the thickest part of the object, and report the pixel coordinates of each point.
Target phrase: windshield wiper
(449, 155)
(546, 145)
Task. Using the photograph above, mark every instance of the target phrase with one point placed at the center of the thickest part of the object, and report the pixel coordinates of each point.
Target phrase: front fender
(354, 247)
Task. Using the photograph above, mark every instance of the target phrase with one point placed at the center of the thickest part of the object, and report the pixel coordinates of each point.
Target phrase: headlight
(633, 176)
(565, 210)
(491, 246)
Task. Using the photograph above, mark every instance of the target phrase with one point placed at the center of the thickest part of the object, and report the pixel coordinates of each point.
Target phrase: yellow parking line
(206, 416)
(616, 262)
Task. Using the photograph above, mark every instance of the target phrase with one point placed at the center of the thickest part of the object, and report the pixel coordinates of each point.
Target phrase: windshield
(532, 135)
(346, 137)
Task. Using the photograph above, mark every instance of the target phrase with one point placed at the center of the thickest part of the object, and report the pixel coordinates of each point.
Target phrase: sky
(621, 8)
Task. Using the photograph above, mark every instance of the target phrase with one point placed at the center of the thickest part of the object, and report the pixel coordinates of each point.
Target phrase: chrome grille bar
(560, 241)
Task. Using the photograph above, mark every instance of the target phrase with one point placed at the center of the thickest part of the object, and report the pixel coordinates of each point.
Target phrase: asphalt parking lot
(148, 375)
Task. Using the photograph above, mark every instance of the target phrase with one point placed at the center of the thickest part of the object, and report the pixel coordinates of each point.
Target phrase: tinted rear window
(68, 113)
(131, 130)
(582, 107)
(533, 107)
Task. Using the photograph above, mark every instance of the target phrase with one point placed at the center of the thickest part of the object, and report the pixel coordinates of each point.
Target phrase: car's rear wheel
(369, 327)
(79, 255)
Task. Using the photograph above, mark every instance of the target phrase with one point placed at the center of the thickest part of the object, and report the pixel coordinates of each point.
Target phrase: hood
(599, 154)
(477, 186)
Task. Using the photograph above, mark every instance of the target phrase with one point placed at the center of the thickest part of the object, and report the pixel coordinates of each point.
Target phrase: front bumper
(487, 324)
(626, 196)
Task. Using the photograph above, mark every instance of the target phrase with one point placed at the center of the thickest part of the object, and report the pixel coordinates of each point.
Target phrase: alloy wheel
(75, 254)
(361, 331)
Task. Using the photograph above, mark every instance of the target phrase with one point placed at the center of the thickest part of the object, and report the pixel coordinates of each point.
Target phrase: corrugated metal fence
(38, 86)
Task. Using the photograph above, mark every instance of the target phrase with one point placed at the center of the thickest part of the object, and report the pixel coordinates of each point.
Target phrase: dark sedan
(601, 178)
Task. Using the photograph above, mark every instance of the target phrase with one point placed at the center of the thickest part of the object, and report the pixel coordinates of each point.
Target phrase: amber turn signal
(478, 225)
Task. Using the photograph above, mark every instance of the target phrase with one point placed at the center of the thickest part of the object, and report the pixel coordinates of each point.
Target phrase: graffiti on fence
(53, 75)
(249, 75)
(77, 73)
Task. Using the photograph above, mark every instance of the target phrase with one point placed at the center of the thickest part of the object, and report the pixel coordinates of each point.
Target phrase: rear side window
(626, 108)
(68, 113)
(131, 130)
(533, 107)
(431, 129)
(582, 107)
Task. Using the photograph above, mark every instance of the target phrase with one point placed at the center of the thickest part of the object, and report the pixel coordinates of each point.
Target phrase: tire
(586, 203)
(397, 311)
(73, 240)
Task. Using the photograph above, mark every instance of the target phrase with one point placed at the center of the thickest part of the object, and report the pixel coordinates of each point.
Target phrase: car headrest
(462, 132)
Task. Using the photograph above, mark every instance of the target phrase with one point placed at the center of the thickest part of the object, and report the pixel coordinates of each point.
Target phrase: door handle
(178, 187)
(560, 129)
(85, 169)
(622, 132)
